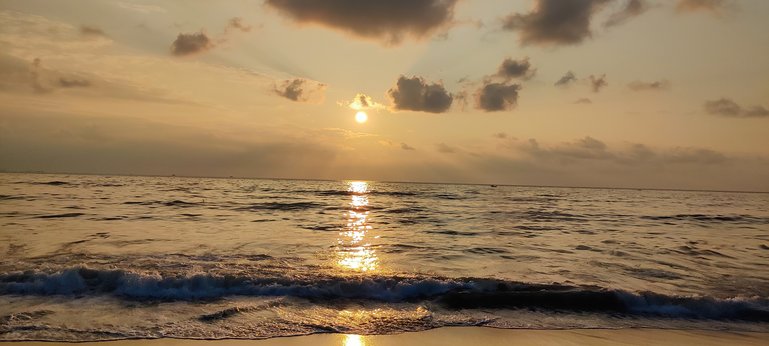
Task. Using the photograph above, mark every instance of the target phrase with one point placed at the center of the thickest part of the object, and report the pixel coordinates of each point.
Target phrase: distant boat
(492, 185)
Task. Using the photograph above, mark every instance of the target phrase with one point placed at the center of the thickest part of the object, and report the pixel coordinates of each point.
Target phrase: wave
(59, 216)
(8, 197)
(356, 193)
(292, 206)
(174, 203)
(451, 293)
(52, 183)
(746, 219)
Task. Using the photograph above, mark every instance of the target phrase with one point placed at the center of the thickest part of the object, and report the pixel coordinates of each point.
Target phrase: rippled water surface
(99, 257)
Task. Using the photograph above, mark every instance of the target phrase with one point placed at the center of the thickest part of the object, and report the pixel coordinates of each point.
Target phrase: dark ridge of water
(10, 197)
(406, 210)
(52, 183)
(355, 193)
(324, 228)
(293, 206)
(740, 219)
(173, 203)
(747, 219)
(59, 216)
(449, 196)
(554, 216)
(451, 232)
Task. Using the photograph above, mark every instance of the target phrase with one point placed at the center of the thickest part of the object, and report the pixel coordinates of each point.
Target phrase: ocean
(86, 257)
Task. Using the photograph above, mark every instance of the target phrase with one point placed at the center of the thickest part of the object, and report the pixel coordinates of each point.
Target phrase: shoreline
(463, 336)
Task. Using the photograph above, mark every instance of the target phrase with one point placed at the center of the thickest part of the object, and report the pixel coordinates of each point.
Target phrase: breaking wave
(459, 293)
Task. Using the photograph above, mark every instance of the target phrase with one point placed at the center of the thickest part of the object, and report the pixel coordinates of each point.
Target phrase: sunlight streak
(352, 249)
(353, 340)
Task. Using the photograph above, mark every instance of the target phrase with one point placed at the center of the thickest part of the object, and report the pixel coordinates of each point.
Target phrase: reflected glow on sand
(353, 251)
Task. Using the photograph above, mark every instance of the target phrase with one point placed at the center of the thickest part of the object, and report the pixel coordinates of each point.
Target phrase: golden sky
(617, 93)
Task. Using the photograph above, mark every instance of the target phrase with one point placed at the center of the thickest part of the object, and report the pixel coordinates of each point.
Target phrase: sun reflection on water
(353, 340)
(353, 250)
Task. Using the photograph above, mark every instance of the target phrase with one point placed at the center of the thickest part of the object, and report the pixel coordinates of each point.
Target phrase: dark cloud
(92, 31)
(510, 69)
(189, 44)
(198, 42)
(728, 108)
(583, 101)
(299, 90)
(757, 111)
(587, 148)
(363, 100)
(405, 146)
(20, 75)
(655, 85)
(446, 149)
(567, 79)
(115, 145)
(24, 76)
(500, 135)
(390, 21)
(695, 155)
(416, 94)
(555, 22)
(494, 97)
(598, 83)
(38, 80)
(73, 83)
(237, 24)
(632, 9)
(591, 149)
(684, 6)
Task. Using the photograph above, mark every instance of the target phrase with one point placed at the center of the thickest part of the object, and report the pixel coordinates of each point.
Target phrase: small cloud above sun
(361, 117)
(362, 103)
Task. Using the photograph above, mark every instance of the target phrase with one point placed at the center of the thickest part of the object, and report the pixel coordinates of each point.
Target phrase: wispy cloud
(301, 90)
(143, 8)
(726, 107)
(632, 9)
(713, 6)
(654, 85)
(567, 79)
(598, 83)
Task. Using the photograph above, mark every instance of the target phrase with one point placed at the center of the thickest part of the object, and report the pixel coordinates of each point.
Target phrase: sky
(603, 93)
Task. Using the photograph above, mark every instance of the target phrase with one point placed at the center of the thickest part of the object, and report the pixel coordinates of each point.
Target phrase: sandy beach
(474, 335)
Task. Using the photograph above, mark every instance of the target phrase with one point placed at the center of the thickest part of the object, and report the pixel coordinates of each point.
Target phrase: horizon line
(386, 181)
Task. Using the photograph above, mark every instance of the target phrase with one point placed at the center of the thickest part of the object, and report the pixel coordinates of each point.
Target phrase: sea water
(85, 257)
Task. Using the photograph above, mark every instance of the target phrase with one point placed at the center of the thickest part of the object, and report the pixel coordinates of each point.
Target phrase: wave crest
(459, 293)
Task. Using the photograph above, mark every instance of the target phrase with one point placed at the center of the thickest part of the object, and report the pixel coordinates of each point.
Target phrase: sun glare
(361, 117)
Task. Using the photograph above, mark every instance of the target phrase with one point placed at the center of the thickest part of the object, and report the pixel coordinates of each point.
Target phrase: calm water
(99, 257)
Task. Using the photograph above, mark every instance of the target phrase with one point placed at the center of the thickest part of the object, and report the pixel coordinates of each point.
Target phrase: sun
(361, 117)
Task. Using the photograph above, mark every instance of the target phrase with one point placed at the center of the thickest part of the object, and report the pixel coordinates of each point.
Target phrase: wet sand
(474, 336)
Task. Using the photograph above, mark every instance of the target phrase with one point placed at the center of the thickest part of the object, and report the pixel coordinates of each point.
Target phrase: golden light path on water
(353, 340)
(354, 250)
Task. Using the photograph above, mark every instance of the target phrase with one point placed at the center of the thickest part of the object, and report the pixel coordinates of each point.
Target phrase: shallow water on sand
(100, 257)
